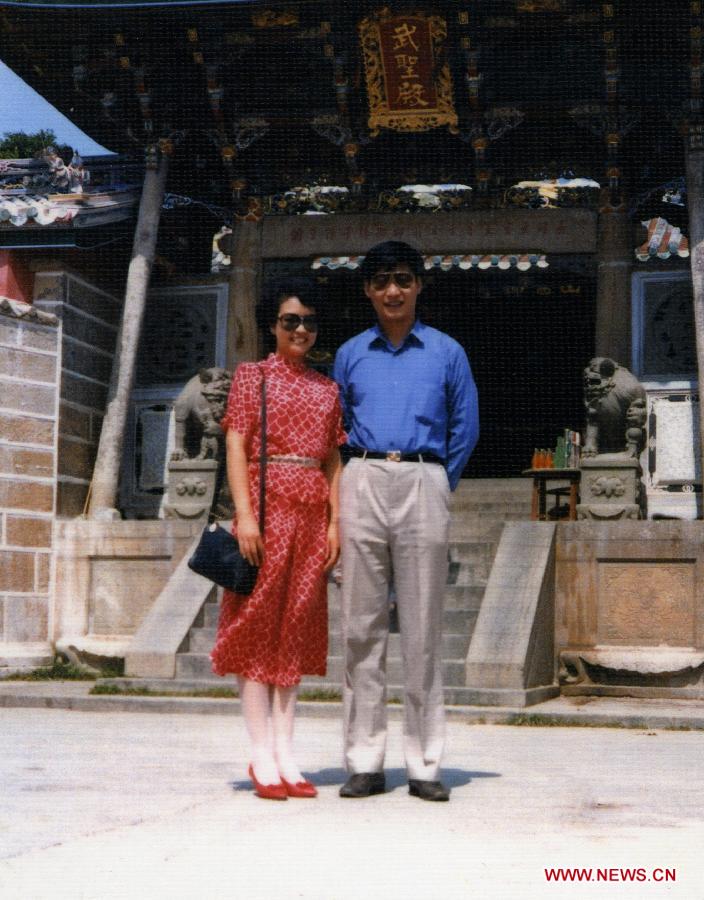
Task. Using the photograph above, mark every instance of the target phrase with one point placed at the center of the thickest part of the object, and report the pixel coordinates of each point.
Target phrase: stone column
(109, 458)
(242, 334)
(695, 207)
(613, 289)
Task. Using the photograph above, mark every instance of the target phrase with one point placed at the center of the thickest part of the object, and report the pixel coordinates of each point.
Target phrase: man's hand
(333, 553)
(249, 539)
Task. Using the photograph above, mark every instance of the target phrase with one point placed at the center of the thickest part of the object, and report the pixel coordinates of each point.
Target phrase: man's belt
(396, 456)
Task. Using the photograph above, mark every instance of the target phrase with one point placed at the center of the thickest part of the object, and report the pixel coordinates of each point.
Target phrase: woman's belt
(308, 462)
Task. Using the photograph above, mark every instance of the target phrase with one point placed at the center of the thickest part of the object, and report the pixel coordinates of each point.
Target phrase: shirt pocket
(429, 405)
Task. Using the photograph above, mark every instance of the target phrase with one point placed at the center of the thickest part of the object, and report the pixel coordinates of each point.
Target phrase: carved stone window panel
(185, 330)
(663, 328)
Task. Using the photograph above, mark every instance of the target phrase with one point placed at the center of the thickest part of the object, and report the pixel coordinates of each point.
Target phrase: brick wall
(90, 319)
(28, 443)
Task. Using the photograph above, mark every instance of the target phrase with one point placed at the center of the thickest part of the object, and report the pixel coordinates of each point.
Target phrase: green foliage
(20, 145)
(112, 668)
(59, 670)
(137, 691)
(111, 689)
(321, 695)
(539, 720)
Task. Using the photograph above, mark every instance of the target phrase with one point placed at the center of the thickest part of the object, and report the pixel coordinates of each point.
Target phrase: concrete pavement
(114, 804)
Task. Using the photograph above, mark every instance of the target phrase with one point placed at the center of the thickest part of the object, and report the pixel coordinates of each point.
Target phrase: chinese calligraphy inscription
(408, 90)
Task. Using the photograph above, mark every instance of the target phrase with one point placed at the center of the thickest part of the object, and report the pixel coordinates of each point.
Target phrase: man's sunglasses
(382, 279)
(290, 322)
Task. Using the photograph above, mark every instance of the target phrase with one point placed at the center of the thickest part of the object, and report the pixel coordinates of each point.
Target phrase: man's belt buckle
(393, 456)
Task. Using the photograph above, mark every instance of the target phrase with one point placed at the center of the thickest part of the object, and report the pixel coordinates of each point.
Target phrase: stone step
(489, 510)
(480, 508)
(454, 646)
(209, 615)
(196, 666)
(310, 685)
(464, 596)
(193, 666)
(174, 685)
(455, 620)
(454, 695)
(486, 527)
(473, 490)
(473, 557)
(453, 671)
(465, 575)
(458, 596)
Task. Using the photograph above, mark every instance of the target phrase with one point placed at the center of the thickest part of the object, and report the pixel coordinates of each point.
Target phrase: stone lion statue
(197, 412)
(616, 409)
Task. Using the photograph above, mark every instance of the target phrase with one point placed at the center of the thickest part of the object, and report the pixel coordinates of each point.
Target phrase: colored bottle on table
(560, 457)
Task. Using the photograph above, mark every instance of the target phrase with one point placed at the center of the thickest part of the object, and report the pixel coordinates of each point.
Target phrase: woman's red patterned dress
(280, 631)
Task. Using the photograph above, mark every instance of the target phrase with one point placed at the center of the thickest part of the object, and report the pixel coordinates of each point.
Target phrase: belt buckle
(393, 456)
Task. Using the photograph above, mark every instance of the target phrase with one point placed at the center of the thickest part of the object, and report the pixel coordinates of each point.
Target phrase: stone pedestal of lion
(192, 484)
(615, 403)
(196, 471)
(609, 488)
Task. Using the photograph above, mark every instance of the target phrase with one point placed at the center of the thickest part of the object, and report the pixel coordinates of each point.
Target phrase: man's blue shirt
(416, 398)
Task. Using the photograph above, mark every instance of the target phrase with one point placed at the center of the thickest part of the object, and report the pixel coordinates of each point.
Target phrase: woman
(279, 632)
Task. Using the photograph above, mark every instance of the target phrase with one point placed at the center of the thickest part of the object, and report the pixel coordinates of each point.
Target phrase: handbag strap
(262, 459)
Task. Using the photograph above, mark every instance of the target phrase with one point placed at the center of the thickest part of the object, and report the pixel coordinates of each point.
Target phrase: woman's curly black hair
(280, 289)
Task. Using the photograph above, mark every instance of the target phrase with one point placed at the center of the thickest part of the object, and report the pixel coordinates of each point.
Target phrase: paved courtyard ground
(103, 805)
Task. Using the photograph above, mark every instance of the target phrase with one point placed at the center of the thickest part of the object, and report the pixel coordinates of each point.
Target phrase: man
(411, 413)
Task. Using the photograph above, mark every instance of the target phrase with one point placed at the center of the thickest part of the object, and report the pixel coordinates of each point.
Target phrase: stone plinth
(630, 608)
(191, 488)
(108, 576)
(609, 487)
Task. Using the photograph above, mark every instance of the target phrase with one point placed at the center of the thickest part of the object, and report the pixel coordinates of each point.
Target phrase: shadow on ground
(395, 778)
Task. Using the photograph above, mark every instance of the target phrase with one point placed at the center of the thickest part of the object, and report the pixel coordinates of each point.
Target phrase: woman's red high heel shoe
(268, 791)
(300, 788)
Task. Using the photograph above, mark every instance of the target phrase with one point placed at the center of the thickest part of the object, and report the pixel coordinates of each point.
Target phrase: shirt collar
(414, 336)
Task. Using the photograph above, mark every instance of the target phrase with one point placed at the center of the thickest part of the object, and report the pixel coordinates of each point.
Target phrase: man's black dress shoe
(427, 790)
(364, 784)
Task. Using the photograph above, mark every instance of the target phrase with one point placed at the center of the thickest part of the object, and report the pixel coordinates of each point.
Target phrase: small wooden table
(541, 477)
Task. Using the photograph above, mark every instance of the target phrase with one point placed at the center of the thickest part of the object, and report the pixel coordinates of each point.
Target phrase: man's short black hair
(385, 256)
(278, 290)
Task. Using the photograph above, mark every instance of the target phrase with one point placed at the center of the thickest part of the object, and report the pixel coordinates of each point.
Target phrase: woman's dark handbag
(217, 556)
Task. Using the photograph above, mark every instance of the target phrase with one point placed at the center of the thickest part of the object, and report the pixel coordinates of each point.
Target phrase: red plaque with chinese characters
(407, 89)
(407, 57)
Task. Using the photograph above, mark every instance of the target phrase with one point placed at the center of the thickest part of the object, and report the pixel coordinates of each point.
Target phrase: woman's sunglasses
(382, 280)
(290, 322)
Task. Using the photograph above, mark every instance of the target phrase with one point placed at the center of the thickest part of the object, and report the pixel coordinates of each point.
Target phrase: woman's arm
(332, 468)
(248, 534)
